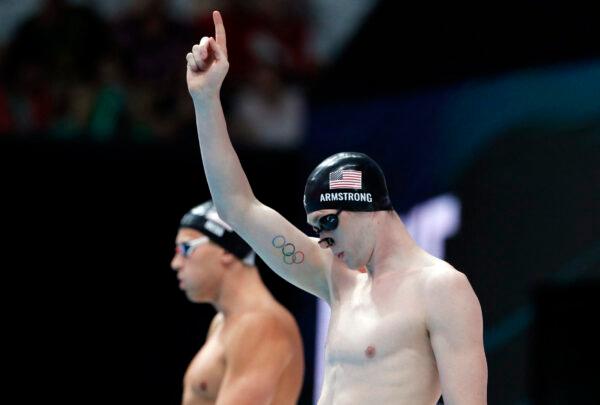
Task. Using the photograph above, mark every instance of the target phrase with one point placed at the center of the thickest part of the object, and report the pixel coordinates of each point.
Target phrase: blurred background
(484, 117)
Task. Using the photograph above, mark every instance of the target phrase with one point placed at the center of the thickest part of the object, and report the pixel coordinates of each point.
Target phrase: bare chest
(375, 323)
(205, 373)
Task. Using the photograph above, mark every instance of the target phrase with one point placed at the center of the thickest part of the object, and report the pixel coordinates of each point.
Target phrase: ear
(227, 259)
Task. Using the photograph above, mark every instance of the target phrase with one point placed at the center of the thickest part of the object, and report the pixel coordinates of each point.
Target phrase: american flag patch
(345, 179)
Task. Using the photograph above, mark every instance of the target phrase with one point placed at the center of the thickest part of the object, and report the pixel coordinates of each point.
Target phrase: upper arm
(284, 248)
(455, 327)
(256, 356)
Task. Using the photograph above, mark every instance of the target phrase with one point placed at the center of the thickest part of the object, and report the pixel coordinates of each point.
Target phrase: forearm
(226, 179)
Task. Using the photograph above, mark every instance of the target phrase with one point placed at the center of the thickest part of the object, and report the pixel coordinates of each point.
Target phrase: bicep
(456, 332)
(285, 249)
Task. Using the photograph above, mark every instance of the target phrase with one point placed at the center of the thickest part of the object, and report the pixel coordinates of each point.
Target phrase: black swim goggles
(327, 223)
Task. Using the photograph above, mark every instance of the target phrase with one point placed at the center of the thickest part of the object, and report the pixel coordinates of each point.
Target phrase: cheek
(351, 237)
(203, 269)
(194, 272)
(195, 268)
(357, 241)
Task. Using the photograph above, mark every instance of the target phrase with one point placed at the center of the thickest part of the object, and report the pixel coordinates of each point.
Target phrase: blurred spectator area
(108, 71)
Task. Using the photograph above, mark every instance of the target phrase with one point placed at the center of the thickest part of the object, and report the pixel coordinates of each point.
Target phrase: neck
(242, 290)
(394, 249)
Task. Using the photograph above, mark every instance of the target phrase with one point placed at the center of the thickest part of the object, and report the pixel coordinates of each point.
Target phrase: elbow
(226, 213)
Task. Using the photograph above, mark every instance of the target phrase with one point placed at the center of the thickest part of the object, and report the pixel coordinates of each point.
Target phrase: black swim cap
(350, 181)
(204, 218)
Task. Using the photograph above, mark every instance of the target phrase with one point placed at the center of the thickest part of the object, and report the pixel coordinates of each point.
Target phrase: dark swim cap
(204, 218)
(347, 180)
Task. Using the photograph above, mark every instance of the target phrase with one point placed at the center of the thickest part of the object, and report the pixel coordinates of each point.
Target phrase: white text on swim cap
(214, 228)
(366, 197)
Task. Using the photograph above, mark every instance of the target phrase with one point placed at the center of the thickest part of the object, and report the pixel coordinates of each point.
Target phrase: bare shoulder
(260, 326)
(259, 335)
(216, 322)
(449, 297)
(441, 278)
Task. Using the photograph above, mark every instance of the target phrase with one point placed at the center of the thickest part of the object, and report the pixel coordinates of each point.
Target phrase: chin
(355, 264)
(195, 298)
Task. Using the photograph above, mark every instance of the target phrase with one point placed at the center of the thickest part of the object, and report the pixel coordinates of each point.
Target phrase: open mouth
(340, 255)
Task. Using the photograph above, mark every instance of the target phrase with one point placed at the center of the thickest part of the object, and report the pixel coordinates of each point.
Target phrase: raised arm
(456, 332)
(282, 246)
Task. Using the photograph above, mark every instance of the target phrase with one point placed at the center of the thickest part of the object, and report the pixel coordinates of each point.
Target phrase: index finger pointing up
(220, 31)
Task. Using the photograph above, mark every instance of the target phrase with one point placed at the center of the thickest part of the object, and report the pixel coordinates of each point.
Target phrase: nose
(326, 243)
(176, 262)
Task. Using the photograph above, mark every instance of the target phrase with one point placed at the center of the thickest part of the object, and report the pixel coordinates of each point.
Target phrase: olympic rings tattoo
(290, 255)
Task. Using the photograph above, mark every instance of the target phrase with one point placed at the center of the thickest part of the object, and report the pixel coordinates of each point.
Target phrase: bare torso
(203, 378)
(378, 349)
(206, 371)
